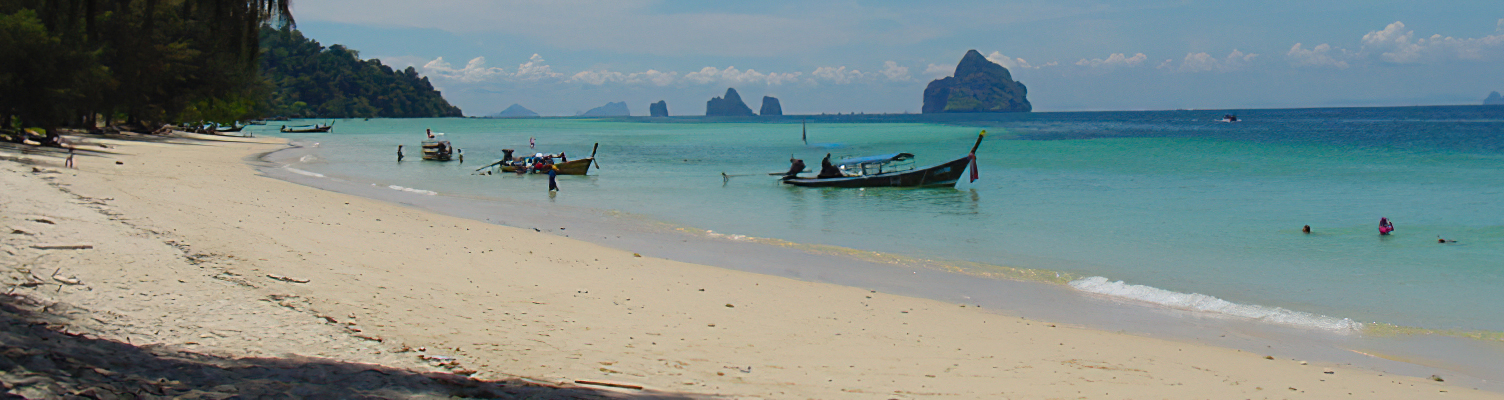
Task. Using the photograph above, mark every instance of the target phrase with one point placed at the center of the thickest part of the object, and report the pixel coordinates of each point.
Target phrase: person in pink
(1385, 226)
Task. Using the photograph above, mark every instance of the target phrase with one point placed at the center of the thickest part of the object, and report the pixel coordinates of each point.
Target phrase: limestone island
(978, 86)
(659, 109)
(770, 106)
(730, 105)
(1494, 99)
(515, 111)
(617, 109)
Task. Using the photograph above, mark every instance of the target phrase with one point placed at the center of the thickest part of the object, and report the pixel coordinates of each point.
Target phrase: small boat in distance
(892, 170)
(1229, 118)
(315, 128)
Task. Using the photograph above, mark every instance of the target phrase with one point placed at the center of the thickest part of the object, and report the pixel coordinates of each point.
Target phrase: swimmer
(1306, 229)
(1440, 239)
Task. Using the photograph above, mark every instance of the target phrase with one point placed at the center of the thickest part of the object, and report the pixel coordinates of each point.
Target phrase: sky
(563, 57)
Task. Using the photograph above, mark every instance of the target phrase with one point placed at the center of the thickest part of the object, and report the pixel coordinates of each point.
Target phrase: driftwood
(616, 385)
(286, 279)
(62, 246)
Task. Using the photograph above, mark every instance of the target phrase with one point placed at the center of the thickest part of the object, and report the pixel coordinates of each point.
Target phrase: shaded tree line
(74, 62)
(315, 82)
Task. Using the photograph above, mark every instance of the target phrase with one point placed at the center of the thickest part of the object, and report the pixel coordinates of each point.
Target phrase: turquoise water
(1173, 208)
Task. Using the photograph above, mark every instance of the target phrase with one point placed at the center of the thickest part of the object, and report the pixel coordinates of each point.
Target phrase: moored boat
(893, 170)
(315, 128)
(530, 163)
(437, 149)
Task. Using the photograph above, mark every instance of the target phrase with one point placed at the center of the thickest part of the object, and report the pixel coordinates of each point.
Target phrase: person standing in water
(553, 174)
(399, 153)
(1385, 227)
(1306, 229)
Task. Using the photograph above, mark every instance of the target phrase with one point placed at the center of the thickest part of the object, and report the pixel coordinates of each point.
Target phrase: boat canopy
(878, 159)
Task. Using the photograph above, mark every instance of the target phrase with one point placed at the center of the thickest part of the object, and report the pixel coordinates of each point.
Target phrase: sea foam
(302, 172)
(408, 189)
(1209, 304)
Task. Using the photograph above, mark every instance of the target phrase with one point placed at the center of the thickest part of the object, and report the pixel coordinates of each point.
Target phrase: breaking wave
(1203, 303)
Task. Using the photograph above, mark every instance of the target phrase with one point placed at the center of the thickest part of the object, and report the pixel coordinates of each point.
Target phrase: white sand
(185, 237)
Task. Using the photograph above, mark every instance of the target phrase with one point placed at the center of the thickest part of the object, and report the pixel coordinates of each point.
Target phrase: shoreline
(415, 277)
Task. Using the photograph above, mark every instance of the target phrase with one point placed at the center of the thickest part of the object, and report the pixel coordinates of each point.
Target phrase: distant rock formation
(515, 111)
(1494, 99)
(617, 109)
(659, 109)
(978, 86)
(770, 106)
(730, 105)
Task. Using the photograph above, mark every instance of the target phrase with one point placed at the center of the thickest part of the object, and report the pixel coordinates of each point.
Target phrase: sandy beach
(181, 249)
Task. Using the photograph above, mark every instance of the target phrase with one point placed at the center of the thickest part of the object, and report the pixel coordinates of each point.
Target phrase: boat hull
(944, 174)
(576, 167)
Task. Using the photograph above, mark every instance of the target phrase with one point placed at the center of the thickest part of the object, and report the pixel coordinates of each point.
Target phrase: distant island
(617, 109)
(770, 106)
(659, 109)
(310, 81)
(515, 111)
(1494, 99)
(730, 105)
(978, 86)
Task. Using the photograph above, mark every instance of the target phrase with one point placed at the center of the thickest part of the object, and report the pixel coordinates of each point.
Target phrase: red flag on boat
(973, 167)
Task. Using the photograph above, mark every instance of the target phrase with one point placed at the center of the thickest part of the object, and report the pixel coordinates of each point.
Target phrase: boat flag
(973, 167)
(531, 144)
(804, 132)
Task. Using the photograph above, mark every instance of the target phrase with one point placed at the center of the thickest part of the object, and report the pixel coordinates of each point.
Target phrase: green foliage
(314, 82)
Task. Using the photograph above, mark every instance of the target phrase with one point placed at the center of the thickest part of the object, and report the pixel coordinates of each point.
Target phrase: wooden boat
(437, 150)
(572, 167)
(890, 171)
(232, 128)
(308, 128)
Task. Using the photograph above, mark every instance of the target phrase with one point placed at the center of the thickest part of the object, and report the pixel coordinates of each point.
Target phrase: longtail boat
(308, 128)
(437, 149)
(571, 167)
(893, 170)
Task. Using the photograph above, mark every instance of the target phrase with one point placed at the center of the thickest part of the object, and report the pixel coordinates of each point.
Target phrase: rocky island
(617, 109)
(1494, 99)
(515, 111)
(730, 105)
(770, 106)
(978, 86)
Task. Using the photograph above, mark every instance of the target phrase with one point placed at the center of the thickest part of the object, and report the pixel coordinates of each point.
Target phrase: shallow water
(1186, 211)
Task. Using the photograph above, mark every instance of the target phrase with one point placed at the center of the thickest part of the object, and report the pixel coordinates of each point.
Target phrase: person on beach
(553, 173)
(430, 133)
(1306, 229)
(828, 170)
(461, 153)
(69, 162)
(1385, 226)
(399, 153)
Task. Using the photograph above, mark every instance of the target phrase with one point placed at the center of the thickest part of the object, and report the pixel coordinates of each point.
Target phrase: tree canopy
(317, 82)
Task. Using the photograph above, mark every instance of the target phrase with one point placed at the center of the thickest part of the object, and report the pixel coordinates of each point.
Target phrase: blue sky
(567, 56)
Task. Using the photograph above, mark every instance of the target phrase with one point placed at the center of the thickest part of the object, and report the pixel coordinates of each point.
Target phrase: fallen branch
(616, 385)
(62, 246)
(286, 279)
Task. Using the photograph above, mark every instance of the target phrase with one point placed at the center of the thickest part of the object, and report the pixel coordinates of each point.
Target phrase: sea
(1162, 223)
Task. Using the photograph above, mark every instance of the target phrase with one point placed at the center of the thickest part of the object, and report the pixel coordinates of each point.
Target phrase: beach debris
(609, 384)
(369, 337)
(1328, 371)
(286, 278)
(1268, 357)
(67, 280)
(1436, 378)
(62, 246)
(22, 231)
(1302, 363)
(728, 305)
(119, 162)
(636, 255)
(41, 219)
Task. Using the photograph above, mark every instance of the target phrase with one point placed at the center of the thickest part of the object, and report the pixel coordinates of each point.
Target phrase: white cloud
(1202, 62)
(1396, 44)
(534, 69)
(733, 76)
(937, 70)
(602, 77)
(1114, 60)
(1320, 56)
(895, 72)
(838, 75)
(1008, 62)
(474, 71)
